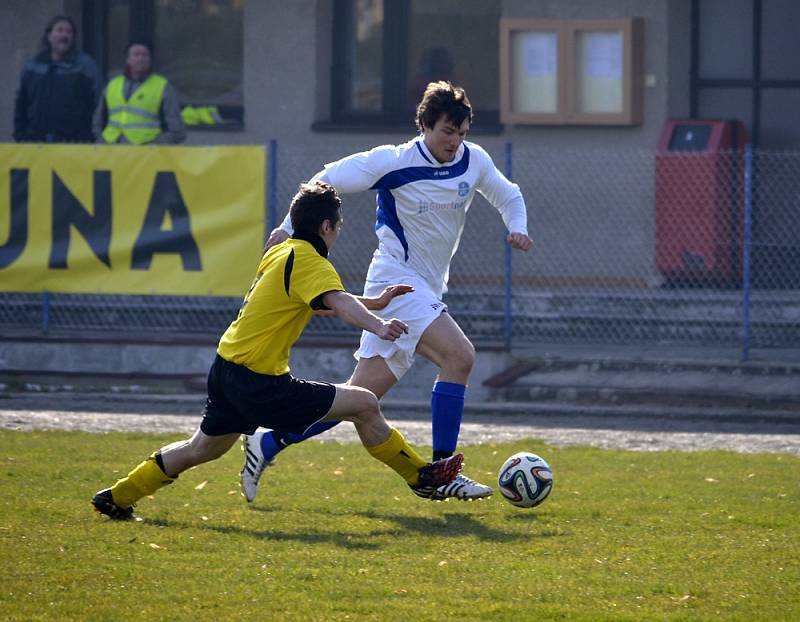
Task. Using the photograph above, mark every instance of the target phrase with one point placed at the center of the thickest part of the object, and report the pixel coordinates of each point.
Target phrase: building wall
(287, 49)
(287, 52)
(279, 71)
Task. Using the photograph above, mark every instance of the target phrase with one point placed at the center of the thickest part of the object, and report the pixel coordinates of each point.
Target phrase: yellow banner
(130, 220)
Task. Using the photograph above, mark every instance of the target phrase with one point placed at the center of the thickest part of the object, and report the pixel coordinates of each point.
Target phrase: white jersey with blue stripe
(422, 205)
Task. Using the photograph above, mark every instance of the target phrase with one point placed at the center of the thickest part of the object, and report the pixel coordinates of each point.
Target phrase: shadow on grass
(458, 525)
(360, 541)
(448, 525)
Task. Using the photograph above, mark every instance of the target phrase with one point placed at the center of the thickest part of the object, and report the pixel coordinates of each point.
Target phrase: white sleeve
(286, 225)
(360, 171)
(355, 173)
(503, 194)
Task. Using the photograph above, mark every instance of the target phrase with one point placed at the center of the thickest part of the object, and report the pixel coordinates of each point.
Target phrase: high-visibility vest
(201, 115)
(138, 117)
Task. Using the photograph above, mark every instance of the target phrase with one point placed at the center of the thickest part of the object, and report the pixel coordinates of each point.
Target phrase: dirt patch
(182, 415)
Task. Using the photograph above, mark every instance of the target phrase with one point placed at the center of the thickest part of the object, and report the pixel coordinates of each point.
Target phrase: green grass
(337, 536)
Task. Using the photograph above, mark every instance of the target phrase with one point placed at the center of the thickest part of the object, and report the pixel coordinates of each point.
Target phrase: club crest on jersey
(463, 189)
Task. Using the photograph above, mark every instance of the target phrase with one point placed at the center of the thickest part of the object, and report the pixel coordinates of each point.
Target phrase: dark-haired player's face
(329, 231)
(444, 138)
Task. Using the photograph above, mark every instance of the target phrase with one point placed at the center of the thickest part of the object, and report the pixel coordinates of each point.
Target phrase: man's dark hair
(312, 205)
(442, 98)
(142, 42)
(44, 44)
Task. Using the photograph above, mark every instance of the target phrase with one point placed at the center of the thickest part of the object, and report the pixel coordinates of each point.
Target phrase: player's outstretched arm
(376, 303)
(520, 241)
(350, 310)
(386, 296)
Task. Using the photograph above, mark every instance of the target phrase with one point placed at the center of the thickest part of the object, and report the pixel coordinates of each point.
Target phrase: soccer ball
(525, 480)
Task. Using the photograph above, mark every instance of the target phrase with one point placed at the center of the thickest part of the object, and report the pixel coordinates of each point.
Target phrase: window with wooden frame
(386, 51)
(571, 72)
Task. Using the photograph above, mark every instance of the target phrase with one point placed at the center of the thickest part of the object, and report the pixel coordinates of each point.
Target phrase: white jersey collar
(420, 140)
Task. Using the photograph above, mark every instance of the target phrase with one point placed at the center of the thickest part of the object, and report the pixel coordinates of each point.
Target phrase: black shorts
(240, 400)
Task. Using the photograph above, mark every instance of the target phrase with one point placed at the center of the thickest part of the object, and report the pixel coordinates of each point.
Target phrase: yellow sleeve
(315, 279)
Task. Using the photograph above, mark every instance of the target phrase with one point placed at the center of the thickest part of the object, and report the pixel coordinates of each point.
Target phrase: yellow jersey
(291, 278)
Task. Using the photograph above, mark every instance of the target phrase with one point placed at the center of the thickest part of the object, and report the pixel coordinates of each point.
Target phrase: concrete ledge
(24, 358)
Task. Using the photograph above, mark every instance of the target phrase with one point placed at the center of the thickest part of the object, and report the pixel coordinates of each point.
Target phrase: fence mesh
(637, 246)
(630, 246)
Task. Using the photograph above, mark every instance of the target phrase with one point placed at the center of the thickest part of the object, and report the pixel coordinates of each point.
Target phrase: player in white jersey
(424, 189)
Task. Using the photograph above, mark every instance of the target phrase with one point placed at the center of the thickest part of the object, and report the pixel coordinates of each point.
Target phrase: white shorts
(417, 309)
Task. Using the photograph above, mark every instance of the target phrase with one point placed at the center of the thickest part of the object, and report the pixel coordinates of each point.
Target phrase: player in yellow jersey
(249, 384)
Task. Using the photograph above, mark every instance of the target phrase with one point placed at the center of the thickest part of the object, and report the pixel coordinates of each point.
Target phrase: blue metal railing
(508, 323)
(746, 250)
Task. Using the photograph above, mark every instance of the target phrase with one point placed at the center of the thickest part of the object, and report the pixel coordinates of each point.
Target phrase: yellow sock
(144, 480)
(396, 453)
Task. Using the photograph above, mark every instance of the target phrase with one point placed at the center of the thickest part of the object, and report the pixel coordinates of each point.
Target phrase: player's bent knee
(367, 407)
(356, 404)
(469, 356)
(461, 359)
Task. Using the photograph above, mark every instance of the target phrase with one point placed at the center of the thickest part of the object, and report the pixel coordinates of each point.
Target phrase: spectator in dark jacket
(58, 90)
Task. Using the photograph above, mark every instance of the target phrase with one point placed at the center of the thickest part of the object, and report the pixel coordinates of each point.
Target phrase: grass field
(337, 536)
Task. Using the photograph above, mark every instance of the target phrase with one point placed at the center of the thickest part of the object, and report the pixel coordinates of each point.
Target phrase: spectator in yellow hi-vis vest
(139, 107)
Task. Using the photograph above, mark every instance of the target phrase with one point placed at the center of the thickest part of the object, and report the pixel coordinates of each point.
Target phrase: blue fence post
(45, 312)
(746, 250)
(273, 184)
(508, 324)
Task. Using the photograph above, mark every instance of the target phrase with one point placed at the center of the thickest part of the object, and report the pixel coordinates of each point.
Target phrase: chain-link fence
(675, 247)
(630, 246)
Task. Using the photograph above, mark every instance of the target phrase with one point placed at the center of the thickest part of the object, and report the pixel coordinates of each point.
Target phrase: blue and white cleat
(254, 464)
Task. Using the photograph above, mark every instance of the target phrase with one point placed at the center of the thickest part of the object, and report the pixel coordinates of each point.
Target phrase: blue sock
(447, 407)
(275, 441)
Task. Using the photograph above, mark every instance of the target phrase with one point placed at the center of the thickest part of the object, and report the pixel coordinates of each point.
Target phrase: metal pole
(508, 324)
(746, 250)
(273, 184)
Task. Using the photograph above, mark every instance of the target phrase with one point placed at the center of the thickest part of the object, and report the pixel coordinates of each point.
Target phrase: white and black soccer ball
(525, 479)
